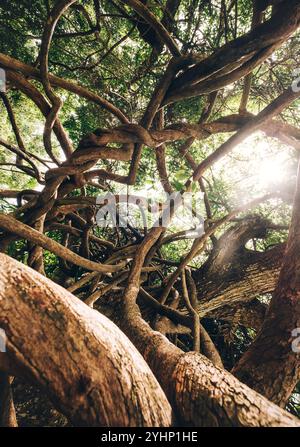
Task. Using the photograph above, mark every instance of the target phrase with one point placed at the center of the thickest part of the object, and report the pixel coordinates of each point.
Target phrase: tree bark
(89, 369)
(249, 314)
(201, 394)
(233, 276)
(86, 365)
(254, 274)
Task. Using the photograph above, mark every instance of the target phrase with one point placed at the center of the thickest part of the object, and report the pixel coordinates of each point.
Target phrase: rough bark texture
(233, 276)
(90, 370)
(255, 274)
(201, 393)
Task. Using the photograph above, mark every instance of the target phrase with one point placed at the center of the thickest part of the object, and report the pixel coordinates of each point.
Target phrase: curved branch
(278, 28)
(277, 372)
(150, 18)
(16, 65)
(12, 225)
(54, 16)
(80, 358)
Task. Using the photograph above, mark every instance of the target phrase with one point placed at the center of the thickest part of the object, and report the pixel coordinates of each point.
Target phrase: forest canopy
(124, 303)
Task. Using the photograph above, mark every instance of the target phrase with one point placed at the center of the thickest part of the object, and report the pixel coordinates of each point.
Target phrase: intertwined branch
(130, 261)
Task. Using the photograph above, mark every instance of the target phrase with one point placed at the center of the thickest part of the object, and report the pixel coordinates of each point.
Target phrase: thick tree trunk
(270, 366)
(89, 369)
(200, 393)
(95, 376)
(253, 274)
